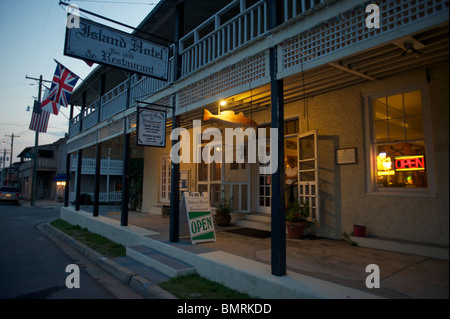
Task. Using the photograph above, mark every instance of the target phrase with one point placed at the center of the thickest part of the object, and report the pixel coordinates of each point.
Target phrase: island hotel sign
(101, 44)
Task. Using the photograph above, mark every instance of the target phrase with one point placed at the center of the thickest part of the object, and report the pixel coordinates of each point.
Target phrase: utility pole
(36, 143)
(35, 156)
(10, 158)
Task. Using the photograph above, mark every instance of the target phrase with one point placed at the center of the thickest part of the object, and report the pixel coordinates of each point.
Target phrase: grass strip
(97, 242)
(184, 287)
(196, 287)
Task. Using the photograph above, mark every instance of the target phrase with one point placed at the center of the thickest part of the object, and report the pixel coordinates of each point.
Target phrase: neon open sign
(410, 163)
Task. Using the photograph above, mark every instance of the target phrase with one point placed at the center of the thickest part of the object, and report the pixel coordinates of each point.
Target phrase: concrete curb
(135, 281)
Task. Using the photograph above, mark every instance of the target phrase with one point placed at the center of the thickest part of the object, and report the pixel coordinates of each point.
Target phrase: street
(33, 265)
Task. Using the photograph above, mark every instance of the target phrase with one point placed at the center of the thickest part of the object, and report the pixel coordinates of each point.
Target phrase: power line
(118, 2)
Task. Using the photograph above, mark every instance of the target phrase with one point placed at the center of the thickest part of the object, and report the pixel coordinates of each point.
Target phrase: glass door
(210, 178)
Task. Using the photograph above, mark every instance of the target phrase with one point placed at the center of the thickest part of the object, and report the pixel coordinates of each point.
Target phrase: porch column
(126, 162)
(174, 231)
(78, 186)
(174, 190)
(98, 154)
(80, 157)
(67, 186)
(278, 214)
(125, 179)
(98, 161)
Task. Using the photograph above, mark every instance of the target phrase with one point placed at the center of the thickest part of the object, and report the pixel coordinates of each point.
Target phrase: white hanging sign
(151, 128)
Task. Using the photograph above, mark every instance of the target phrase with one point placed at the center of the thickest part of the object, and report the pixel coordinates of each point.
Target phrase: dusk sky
(31, 37)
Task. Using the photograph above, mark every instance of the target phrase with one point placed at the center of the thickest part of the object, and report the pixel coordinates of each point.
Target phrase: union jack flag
(63, 83)
(49, 106)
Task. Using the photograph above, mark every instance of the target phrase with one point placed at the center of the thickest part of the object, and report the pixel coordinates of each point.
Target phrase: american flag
(63, 83)
(39, 118)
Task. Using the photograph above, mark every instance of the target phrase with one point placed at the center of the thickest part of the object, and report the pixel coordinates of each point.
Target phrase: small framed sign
(151, 127)
(184, 180)
(346, 156)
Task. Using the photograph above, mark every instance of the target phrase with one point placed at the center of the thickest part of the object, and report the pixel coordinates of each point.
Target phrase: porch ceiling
(371, 65)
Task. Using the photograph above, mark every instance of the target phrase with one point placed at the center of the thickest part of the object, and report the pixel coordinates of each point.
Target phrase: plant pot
(359, 231)
(295, 229)
(222, 219)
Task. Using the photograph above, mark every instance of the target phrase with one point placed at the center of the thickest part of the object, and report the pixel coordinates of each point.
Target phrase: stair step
(253, 224)
(142, 270)
(258, 217)
(169, 266)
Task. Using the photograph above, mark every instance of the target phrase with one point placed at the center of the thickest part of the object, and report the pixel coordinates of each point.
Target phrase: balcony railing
(115, 101)
(107, 166)
(43, 164)
(104, 197)
(220, 35)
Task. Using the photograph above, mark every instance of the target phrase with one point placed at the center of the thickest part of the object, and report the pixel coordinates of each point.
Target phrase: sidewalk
(402, 275)
(42, 203)
(310, 261)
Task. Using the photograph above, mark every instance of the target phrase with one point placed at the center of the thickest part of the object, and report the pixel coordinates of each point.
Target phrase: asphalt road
(33, 263)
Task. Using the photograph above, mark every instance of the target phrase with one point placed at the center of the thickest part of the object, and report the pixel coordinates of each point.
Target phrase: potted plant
(297, 218)
(223, 209)
(359, 230)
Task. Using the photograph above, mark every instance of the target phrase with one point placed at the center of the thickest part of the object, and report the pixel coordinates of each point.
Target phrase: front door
(291, 174)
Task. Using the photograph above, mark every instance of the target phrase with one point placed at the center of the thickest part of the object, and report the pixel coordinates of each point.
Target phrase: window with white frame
(164, 191)
(399, 141)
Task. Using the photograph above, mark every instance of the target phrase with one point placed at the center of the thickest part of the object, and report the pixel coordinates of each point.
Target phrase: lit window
(398, 151)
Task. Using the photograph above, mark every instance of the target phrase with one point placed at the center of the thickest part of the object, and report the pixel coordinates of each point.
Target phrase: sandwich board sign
(200, 220)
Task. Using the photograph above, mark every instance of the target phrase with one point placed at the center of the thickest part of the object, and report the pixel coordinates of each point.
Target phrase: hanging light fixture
(409, 50)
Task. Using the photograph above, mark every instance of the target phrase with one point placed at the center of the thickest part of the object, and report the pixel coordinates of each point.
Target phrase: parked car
(9, 194)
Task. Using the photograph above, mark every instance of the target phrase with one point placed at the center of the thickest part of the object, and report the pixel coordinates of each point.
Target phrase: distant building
(50, 170)
(8, 175)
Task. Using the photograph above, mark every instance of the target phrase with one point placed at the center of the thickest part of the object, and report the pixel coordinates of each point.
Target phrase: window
(164, 192)
(398, 152)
